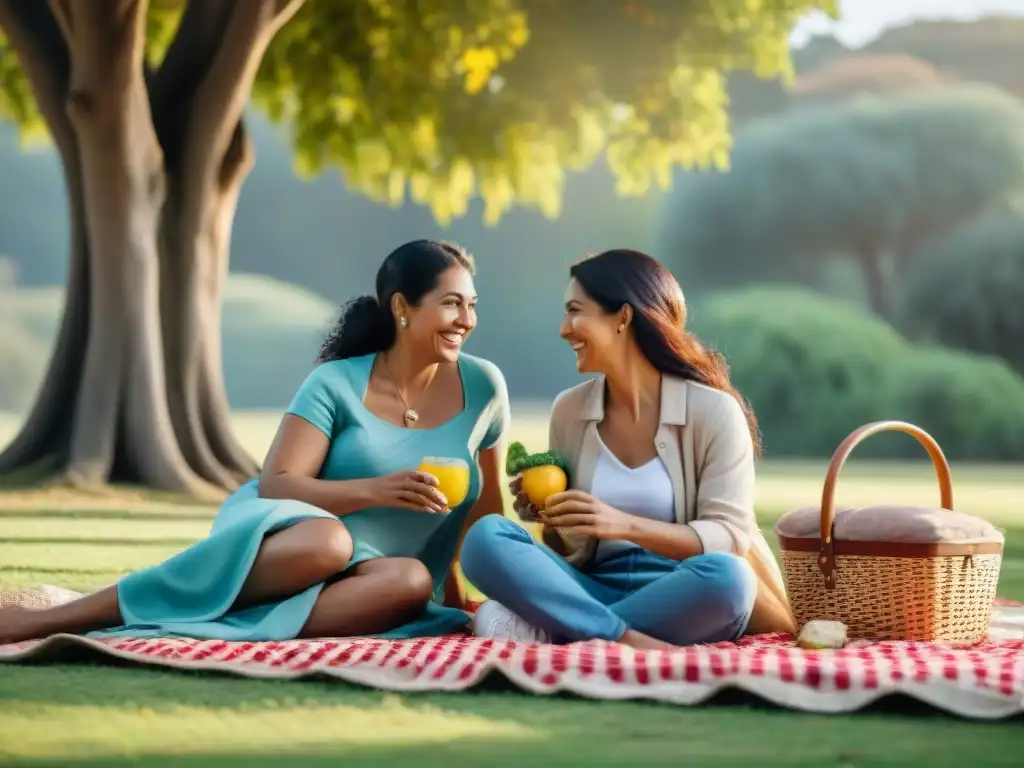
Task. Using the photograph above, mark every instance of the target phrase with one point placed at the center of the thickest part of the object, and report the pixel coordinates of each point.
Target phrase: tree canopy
(986, 50)
(870, 179)
(447, 99)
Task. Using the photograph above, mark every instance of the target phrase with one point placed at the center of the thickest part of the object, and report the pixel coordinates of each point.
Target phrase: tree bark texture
(154, 162)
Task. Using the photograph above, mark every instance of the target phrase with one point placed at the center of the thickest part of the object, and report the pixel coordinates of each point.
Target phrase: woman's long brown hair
(619, 277)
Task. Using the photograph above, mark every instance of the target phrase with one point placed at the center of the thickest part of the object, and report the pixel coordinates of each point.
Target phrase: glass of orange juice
(452, 477)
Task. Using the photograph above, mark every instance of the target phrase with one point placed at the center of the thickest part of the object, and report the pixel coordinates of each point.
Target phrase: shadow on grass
(62, 570)
(44, 477)
(31, 476)
(73, 682)
(547, 750)
(100, 541)
(511, 728)
(183, 516)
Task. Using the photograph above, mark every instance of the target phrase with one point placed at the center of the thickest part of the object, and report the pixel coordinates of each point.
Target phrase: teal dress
(191, 593)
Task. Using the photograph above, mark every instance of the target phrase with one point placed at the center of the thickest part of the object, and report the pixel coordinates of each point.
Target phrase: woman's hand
(407, 490)
(526, 510)
(579, 512)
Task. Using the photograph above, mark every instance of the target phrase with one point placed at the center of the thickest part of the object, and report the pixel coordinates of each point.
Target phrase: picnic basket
(892, 572)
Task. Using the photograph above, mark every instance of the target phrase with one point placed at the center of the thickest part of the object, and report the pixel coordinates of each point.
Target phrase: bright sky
(863, 20)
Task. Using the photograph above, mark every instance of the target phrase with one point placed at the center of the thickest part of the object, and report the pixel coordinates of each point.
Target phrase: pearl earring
(404, 322)
(622, 327)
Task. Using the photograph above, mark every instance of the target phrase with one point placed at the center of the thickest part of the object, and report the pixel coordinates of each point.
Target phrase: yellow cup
(452, 477)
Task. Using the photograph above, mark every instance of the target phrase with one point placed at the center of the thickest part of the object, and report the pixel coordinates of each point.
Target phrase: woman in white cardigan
(655, 543)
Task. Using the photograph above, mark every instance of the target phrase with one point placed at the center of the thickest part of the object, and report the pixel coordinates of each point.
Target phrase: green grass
(156, 718)
(88, 714)
(106, 715)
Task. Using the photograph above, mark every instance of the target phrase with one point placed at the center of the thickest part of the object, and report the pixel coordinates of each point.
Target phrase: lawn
(108, 715)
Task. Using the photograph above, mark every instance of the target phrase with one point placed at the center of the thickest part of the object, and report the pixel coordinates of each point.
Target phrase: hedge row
(815, 369)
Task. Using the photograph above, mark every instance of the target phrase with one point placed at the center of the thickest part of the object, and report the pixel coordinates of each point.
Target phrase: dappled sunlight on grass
(95, 556)
(82, 715)
(31, 526)
(26, 728)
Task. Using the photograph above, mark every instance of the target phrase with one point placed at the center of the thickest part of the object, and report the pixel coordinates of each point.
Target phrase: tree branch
(35, 36)
(107, 47)
(62, 15)
(221, 97)
(188, 59)
(206, 30)
(239, 157)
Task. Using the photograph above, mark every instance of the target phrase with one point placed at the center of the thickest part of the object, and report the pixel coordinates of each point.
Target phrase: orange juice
(452, 477)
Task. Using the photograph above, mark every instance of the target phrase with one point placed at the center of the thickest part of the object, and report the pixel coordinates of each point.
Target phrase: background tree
(967, 291)
(987, 50)
(446, 98)
(854, 75)
(871, 179)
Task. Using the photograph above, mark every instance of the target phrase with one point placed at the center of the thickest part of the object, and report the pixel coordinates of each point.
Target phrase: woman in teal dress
(340, 535)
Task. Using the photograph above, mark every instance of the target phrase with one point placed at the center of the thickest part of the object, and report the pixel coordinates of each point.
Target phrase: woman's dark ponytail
(364, 328)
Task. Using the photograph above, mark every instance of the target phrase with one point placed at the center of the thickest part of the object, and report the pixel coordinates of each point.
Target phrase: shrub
(8, 272)
(815, 369)
(973, 405)
(810, 366)
(34, 310)
(271, 332)
(23, 361)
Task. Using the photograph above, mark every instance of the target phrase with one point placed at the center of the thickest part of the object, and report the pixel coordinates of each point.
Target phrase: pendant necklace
(411, 415)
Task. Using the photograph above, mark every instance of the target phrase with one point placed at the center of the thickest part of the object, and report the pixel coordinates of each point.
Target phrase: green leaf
(17, 103)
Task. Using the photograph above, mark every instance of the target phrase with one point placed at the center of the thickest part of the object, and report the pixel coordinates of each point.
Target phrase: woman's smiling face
(445, 316)
(591, 332)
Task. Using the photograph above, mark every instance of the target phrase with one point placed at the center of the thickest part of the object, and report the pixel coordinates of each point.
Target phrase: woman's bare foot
(18, 624)
(643, 642)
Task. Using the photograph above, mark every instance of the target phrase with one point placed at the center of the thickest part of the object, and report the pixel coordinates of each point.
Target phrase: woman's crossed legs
(637, 598)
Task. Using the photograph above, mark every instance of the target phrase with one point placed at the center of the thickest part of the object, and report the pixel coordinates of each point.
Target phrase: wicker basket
(890, 572)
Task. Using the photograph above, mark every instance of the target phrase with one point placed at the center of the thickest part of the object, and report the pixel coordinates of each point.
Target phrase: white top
(646, 492)
(643, 491)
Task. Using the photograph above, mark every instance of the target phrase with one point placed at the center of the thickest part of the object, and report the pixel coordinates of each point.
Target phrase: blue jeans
(703, 599)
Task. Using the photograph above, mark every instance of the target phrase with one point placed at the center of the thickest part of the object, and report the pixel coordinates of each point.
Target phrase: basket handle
(827, 557)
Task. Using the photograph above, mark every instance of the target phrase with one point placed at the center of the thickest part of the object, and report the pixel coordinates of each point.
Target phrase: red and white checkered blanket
(983, 681)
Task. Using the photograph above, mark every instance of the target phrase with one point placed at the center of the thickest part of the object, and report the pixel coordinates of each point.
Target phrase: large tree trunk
(154, 165)
(122, 410)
